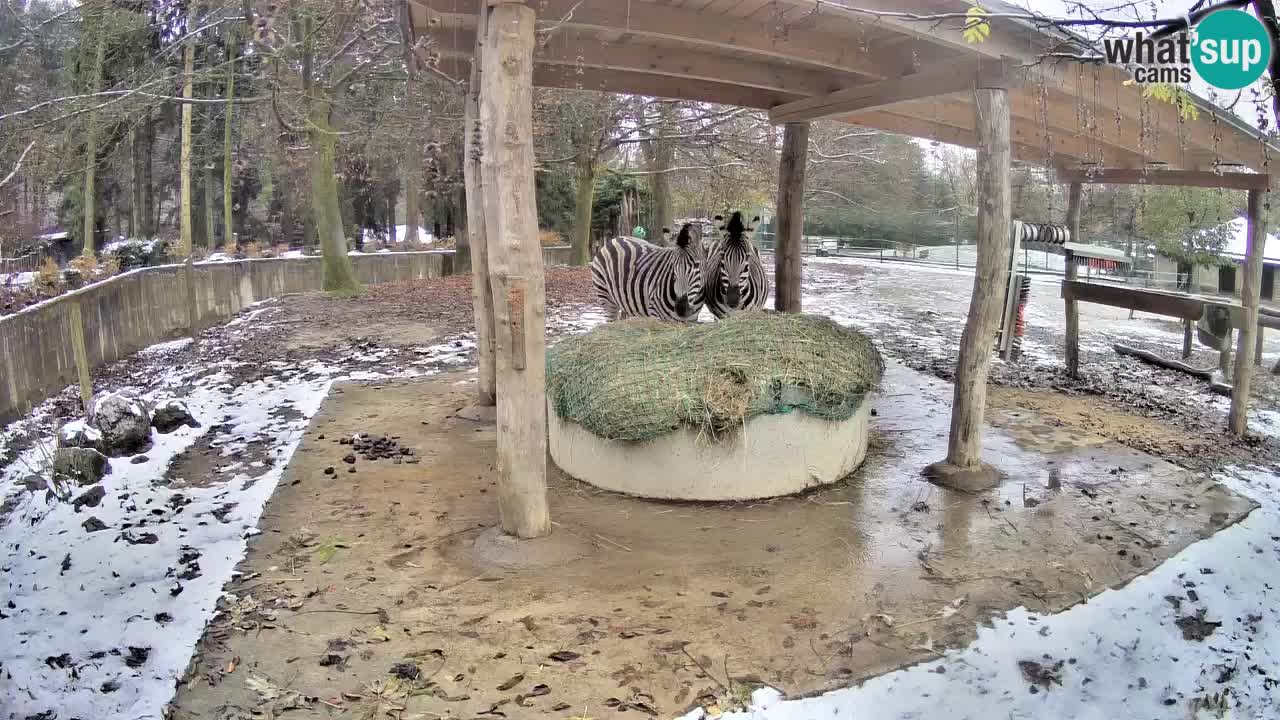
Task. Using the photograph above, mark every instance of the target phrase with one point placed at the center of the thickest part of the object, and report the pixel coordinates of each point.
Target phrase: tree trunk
(461, 236)
(481, 292)
(789, 240)
(184, 217)
(136, 229)
(210, 227)
(412, 172)
(511, 221)
(149, 220)
(89, 201)
(339, 275)
(228, 221)
(586, 176)
(963, 467)
(1250, 297)
(1072, 309)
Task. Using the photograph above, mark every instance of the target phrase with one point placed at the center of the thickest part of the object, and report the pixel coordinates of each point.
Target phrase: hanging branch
(18, 165)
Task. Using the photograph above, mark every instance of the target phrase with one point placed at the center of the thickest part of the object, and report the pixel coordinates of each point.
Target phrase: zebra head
(735, 260)
(688, 270)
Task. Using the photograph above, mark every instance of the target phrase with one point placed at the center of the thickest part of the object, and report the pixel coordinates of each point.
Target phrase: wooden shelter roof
(811, 59)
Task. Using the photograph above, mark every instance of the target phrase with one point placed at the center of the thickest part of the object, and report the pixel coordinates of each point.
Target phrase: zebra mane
(736, 230)
(684, 238)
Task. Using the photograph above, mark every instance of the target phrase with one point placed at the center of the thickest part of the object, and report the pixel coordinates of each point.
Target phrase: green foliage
(1175, 95)
(554, 188)
(976, 27)
(610, 188)
(1190, 226)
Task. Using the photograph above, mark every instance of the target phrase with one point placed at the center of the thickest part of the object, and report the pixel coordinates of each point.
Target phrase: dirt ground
(384, 589)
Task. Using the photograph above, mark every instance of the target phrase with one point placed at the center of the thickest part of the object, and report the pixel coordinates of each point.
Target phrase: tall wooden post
(963, 469)
(1250, 298)
(515, 268)
(787, 244)
(481, 293)
(1073, 309)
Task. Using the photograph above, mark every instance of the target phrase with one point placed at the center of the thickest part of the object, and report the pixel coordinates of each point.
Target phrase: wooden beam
(639, 83)
(953, 123)
(1180, 178)
(963, 467)
(789, 240)
(578, 48)
(515, 269)
(1140, 299)
(481, 293)
(738, 37)
(1072, 309)
(928, 83)
(1250, 298)
(1090, 136)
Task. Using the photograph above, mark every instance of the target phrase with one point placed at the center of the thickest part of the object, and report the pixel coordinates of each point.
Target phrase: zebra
(634, 278)
(732, 273)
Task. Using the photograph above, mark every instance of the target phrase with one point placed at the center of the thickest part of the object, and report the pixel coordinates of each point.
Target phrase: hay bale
(639, 379)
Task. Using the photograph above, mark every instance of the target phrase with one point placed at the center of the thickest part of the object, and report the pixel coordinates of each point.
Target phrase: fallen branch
(1154, 359)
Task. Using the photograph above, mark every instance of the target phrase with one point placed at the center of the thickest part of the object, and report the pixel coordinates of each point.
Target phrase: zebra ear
(682, 240)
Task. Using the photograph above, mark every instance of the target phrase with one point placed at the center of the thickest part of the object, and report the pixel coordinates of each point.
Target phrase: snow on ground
(424, 236)
(150, 556)
(150, 567)
(1121, 654)
(18, 279)
(1124, 652)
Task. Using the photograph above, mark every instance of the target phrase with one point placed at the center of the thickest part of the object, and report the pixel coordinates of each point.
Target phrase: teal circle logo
(1231, 49)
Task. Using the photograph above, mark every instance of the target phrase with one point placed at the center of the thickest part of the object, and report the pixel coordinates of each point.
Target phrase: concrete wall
(131, 311)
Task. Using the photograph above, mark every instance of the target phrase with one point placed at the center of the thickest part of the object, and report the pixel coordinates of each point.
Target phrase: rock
(123, 421)
(83, 465)
(171, 415)
(78, 434)
(93, 524)
(138, 459)
(90, 498)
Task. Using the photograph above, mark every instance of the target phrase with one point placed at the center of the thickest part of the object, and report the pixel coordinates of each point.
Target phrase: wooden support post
(1186, 338)
(81, 354)
(787, 246)
(1224, 356)
(514, 257)
(1250, 298)
(963, 469)
(481, 293)
(193, 311)
(1257, 352)
(1073, 309)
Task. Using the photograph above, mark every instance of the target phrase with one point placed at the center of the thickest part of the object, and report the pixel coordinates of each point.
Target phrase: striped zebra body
(634, 278)
(732, 274)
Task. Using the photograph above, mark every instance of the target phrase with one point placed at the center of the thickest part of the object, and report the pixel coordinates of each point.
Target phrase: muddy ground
(916, 318)
(381, 586)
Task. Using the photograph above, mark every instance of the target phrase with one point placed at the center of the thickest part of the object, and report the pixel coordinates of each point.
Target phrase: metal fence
(25, 263)
(955, 256)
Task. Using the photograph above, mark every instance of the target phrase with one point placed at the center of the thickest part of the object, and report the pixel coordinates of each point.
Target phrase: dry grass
(639, 379)
(48, 276)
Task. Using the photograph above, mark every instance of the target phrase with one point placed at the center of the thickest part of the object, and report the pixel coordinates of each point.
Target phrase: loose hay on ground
(638, 379)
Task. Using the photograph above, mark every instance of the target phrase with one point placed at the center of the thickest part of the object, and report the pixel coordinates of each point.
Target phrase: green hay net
(638, 379)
